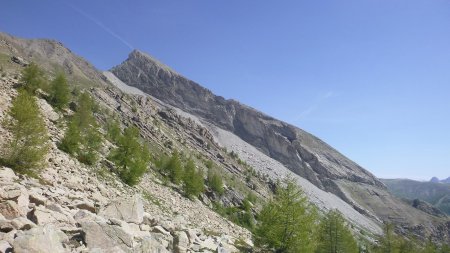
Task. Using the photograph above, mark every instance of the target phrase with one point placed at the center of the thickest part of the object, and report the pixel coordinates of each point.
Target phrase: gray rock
(19, 60)
(40, 240)
(9, 209)
(5, 247)
(37, 199)
(129, 210)
(151, 245)
(41, 216)
(7, 175)
(181, 242)
(105, 236)
(22, 223)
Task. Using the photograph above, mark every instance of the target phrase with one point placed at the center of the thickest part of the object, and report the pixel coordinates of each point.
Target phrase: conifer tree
(28, 146)
(33, 78)
(82, 138)
(131, 157)
(192, 180)
(215, 182)
(59, 91)
(287, 223)
(174, 169)
(113, 130)
(334, 236)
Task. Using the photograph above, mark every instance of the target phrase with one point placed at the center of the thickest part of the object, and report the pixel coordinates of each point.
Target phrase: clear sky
(370, 77)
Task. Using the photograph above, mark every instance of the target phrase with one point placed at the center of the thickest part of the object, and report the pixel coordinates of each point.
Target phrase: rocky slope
(297, 150)
(76, 208)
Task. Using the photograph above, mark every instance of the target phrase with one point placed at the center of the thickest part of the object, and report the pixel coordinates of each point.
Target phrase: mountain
(345, 184)
(436, 180)
(87, 207)
(437, 194)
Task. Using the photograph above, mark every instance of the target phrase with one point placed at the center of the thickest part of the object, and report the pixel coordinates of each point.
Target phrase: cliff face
(301, 152)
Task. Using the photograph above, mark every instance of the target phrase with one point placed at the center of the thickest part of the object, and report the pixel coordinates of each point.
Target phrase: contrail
(101, 25)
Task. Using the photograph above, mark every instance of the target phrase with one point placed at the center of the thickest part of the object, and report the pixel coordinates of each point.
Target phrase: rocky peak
(301, 152)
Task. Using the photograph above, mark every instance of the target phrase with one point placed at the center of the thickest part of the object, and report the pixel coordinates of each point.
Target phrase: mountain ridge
(301, 152)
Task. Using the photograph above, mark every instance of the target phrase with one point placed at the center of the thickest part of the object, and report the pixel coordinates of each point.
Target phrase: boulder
(9, 209)
(151, 245)
(7, 175)
(37, 199)
(181, 242)
(105, 236)
(40, 240)
(129, 210)
(22, 223)
(18, 194)
(5, 247)
(41, 216)
(161, 230)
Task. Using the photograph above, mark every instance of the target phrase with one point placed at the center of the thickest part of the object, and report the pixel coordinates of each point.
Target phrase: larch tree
(28, 145)
(131, 157)
(334, 236)
(33, 78)
(59, 92)
(193, 183)
(287, 223)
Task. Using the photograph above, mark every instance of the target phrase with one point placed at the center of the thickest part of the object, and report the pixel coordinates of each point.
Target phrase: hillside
(81, 206)
(334, 180)
(437, 194)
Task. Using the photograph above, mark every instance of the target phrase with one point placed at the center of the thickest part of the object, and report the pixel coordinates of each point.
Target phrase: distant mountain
(433, 192)
(437, 180)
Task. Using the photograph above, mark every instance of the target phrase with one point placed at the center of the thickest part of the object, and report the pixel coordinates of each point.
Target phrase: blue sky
(370, 77)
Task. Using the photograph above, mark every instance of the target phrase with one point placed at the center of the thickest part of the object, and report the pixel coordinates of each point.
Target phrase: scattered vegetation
(238, 215)
(215, 181)
(288, 222)
(28, 145)
(113, 130)
(173, 168)
(82, 138)
(193, 183)
(131, 157)
(334, 235)
(33, 78)
(59, 92)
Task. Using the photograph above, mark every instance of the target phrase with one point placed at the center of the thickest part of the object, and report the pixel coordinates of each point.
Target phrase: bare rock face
(40, 240)
(129, 210)
(301, 152)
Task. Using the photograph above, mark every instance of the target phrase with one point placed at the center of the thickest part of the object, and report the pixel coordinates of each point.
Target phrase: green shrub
(28, 146)
(33, 78)
(131, 157)
(192, 180)
(113, 130)
(173, 168)
(335, 235)
(288, 222)
(82, 138)
(209, 164)
(59, 92)
(215, 182)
